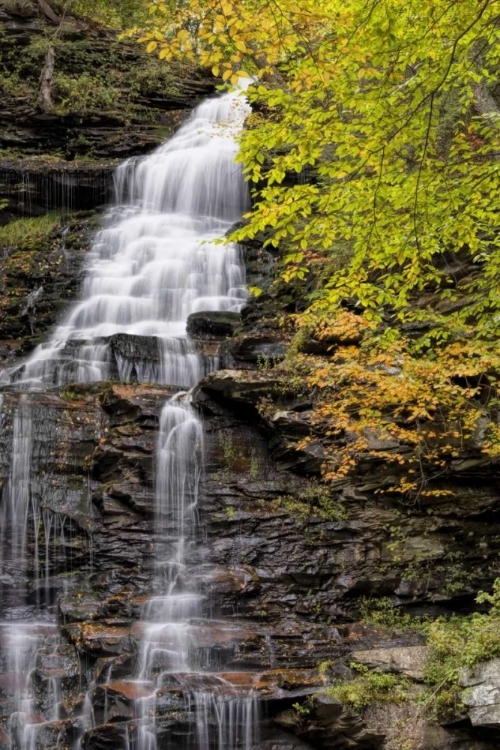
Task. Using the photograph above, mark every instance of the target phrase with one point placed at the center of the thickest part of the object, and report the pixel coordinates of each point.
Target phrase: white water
(156, 260)
(179, 458)
(16, 511)
(226, 717)
(21, 645)
(29, 529)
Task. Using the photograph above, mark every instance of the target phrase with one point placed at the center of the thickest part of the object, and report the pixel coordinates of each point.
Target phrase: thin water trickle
(20, 647)
(16, 509)
(157, 259)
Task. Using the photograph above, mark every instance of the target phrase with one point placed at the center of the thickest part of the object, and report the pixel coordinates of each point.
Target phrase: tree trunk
(45, 93)
(484, 103)
(48, 12)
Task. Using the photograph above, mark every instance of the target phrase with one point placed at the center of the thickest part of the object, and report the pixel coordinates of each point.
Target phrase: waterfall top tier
(157, 260)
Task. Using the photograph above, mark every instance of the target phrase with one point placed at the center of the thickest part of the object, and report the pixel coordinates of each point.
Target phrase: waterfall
(179, 456)
(157, 259)
(226, 717)
(23, 646)
(16, 509)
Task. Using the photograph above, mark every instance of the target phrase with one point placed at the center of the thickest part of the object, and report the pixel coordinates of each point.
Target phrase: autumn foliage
(417, 415)
(374, 149)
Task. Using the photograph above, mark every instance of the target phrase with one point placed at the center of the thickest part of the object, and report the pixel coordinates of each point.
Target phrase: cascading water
(226, 717)
(156, 259)
(178, 468)
(33, 544)
(22, 645)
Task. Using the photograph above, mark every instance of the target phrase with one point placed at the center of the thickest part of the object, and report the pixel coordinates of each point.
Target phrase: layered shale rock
(110, 100)
(39, 274)
(284, 581)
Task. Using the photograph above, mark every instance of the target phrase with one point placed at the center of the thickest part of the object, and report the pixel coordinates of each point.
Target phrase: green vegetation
(455, 643)
(91, 76)
(83, 94)
(383, 613)
(27, 232)
(369, 687)
(314, 500)
(373, 148)
(301, 710)
(117, 14)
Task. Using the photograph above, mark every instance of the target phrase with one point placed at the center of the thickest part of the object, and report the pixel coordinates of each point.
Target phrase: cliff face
(40, 270)
(266, 573)
(285, 562)
(282, 588)
(109, 101)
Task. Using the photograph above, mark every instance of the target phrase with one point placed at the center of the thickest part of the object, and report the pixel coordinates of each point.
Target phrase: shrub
(369, 687)
(83, 94)
(459, 643)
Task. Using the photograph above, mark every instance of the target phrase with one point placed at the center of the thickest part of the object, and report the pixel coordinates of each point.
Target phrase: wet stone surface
(282, 583)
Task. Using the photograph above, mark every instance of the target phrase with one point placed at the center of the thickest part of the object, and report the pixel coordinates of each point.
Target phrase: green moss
(367, 688)
(27, 232)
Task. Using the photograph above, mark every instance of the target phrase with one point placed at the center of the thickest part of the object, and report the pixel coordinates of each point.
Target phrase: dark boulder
(216, 324)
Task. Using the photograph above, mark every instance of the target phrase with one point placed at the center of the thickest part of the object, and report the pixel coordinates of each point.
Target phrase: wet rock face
(257, 547)
(36, 185)
(482, 693)
(58, 532)
(110, 101)
(37, 278)
(285, 581)
(216, 323)
(356, 541)
(93, 449)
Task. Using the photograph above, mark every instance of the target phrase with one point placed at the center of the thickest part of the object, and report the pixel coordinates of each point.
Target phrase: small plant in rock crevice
(314, 500)
(301, 710)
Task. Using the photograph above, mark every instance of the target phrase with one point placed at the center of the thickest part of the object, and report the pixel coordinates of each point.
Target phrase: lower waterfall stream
(155, 261)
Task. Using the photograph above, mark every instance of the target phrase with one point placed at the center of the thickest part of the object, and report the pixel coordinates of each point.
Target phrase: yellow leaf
(151, 46)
